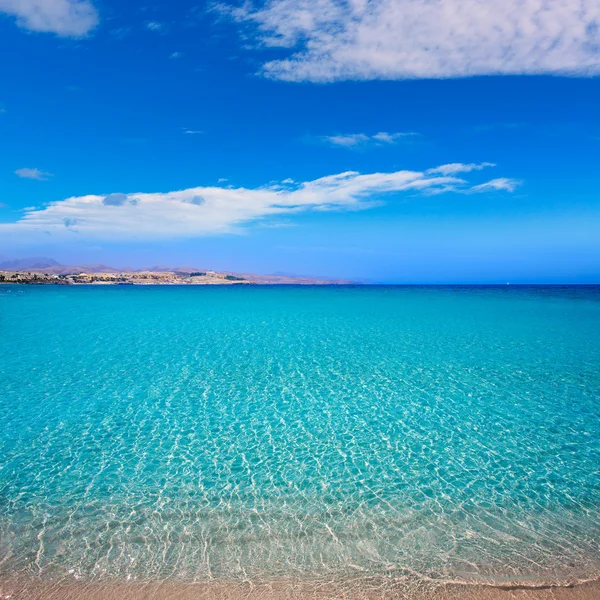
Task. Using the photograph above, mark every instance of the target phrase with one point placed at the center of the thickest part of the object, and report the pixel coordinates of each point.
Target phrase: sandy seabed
(35, 589)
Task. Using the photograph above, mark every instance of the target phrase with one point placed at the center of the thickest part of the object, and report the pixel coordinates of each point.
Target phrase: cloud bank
(332, 40)
(67, 18)
(216, 210)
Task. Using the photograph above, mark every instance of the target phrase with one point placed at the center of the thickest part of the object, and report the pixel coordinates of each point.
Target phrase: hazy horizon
(27, 263)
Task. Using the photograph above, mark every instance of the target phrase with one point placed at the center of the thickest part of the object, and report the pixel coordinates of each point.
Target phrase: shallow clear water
(257, 432)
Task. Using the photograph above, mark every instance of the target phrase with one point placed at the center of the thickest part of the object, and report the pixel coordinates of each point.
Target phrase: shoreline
(364, 589)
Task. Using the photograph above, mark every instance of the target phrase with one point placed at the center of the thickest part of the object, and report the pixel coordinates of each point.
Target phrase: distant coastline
(47, 271)
(153, 278)
(121, 278)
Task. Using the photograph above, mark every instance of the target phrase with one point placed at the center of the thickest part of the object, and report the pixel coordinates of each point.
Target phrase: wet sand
(34, 589)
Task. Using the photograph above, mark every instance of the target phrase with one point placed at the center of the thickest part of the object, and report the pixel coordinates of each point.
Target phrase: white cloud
(390, 138)
(454, 168)
(68, 18)
(354, 140)
(33, 174)
(333, 40)
(192, 131)
(350, 139)
(154, 26)
(209, 210)
(176, 55)
(496, 185)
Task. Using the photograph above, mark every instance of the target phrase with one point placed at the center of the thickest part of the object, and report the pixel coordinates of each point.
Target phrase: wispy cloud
(454, 168)
(331, 40)
(501, 184)
(214, 210)
(33, 174)
(175, 55)
(347, 140)
(357, 140)
(154, 26)
(68, 18)
(192, 131)
(120, 33)
(390, 138)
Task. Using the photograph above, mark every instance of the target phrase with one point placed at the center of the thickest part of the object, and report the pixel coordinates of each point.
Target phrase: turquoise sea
(250, 432)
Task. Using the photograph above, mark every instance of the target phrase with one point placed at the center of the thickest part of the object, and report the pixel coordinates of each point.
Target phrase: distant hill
(69, 269)
(20, 264)
(49, 265)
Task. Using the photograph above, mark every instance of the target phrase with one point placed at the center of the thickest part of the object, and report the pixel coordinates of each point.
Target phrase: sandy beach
(375, 589)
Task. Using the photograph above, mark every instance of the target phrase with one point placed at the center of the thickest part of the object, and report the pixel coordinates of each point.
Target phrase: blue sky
(388, 141)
